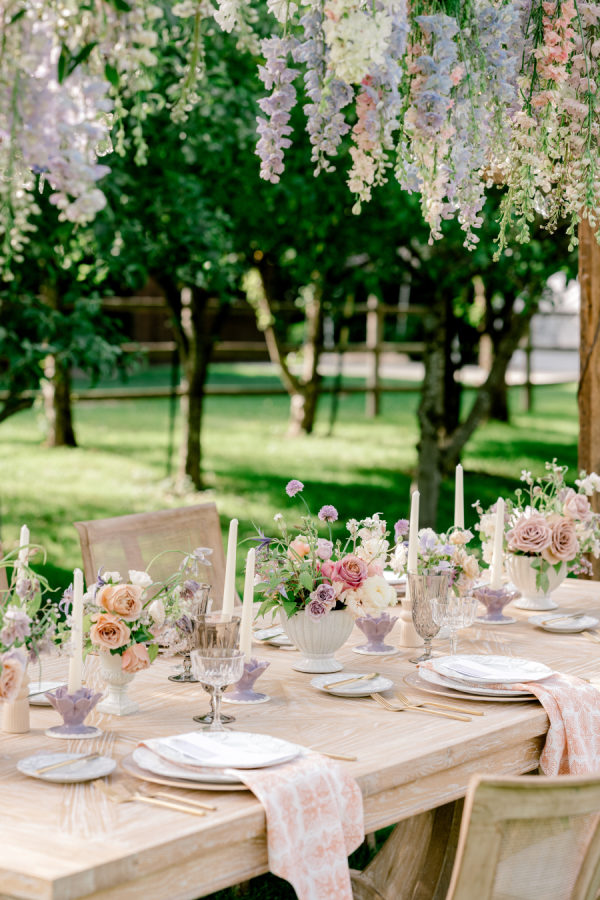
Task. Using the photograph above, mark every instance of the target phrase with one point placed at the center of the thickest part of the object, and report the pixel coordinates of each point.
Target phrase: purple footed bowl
(494, 600)
(243, 690)
(375, 629)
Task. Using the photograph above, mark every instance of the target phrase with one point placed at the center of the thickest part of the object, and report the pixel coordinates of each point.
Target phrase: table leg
(415, 863)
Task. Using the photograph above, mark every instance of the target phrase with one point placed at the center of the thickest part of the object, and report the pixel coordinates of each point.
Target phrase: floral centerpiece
(304, 570)
(28, 619)
(549, 524)
(438, 554)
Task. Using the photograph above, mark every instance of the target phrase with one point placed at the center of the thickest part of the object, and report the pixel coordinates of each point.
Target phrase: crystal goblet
(215, 668)
(455, 613)
(423, 590)
(194, 603)
(216, 630)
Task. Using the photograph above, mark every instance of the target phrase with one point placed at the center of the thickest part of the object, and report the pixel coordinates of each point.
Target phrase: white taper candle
(248, 606)
(23, 543)
(76, 660)
(459, 501)
(498, 551)
(229, 585)
(413, 533)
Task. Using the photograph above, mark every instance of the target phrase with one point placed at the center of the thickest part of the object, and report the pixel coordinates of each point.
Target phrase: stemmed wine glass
(455, 612)
(423, 590)
(216, 631)
(194, 602)
(215, 668)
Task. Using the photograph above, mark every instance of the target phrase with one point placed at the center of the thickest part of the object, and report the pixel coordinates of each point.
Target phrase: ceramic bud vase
(318, 639)
(15, 714)
(116, 702)
(526, 578)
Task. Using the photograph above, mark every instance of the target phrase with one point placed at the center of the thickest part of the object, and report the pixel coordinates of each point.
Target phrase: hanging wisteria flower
(274, 131)
(328, 514)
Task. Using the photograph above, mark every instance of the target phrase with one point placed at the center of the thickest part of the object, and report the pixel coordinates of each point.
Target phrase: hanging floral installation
(447, 99)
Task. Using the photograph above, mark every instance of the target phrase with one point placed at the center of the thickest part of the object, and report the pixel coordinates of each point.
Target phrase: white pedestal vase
(524, 576)
(116, 702)
(318, 639)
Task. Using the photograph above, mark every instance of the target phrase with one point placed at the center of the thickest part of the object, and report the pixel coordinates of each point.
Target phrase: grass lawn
(363, 467)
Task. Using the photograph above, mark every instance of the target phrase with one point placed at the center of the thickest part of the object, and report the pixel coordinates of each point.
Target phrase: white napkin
(232, 750)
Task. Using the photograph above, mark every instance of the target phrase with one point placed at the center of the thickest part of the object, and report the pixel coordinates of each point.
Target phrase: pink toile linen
(573, 742)
(314, 821)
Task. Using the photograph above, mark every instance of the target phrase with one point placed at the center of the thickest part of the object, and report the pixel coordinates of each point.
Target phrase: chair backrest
(528, 838)
(133, 541)
(3, 576)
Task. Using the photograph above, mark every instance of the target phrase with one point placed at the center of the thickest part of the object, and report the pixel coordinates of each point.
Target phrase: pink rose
(375, 568)
(327, 568)
(299, 548)
(530, 534)
(576, 506)
(124, 600)
(564, 544)
(109, 632)
(351, 570)
(13, 668)
(135, 658)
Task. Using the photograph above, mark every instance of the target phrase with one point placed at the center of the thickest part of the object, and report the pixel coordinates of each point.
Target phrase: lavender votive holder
(74, 709)
(375, 628)
(243, 690)
(494, 600)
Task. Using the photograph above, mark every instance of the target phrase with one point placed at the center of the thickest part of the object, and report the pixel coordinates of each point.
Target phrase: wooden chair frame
(200, 525)
(490, 801)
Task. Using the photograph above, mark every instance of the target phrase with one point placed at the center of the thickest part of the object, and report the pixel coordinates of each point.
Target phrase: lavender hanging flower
(274, 131)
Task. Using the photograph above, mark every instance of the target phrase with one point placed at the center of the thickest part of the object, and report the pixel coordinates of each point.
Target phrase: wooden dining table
(62, 842)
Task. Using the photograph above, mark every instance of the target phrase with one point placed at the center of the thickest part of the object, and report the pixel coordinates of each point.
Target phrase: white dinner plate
(358, 689)
(227, 749)
(150, 762)
(38, 690)
(132, 768)
(415, 680)
(562, 625)
(478, 690)
(480, 669)
(78, 770)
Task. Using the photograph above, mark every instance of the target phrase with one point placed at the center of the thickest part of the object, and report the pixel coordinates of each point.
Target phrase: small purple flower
(294, 487)
(185, 625)
(66, 601)
(316, 609)
(189, 589)
(328, 514)
(324, 593)
(324, 549)
(401, 528)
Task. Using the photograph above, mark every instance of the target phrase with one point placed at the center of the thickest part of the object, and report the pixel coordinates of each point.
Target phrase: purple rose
(328, 514)
(324, 593)
(316, 609)
(324, 549)
(293, 487)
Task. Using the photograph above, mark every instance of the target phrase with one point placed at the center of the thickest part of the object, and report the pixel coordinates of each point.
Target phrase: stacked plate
(205, 760)
(484, 677)
(275, 636)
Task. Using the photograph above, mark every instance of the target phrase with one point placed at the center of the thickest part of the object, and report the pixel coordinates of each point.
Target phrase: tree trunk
(303, 403)
(499, 403)
(589, 378)
(56, 391)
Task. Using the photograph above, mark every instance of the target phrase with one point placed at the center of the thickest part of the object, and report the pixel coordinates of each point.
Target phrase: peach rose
(109, 632)
(530, 534)
(576, 506)
(564, 544)
(135, 658)
(124, 600)
(299, 547)
(11, 676)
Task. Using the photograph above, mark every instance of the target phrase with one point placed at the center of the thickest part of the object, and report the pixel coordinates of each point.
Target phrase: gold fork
(119, 793)
(471, 712)
(391, 707)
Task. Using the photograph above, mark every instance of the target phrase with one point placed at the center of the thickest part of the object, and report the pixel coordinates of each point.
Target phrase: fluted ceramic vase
(524, 577)
(318, 639)
(117, 702)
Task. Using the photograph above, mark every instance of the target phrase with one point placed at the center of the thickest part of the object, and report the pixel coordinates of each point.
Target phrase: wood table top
(64, 842)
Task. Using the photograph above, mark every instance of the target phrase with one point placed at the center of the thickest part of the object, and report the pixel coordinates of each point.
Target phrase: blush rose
(530, 534)
(135, 658)
(351, 570)
(576, 506)
(564, 544)
(123, 600)
(13, 668)
(109, 632)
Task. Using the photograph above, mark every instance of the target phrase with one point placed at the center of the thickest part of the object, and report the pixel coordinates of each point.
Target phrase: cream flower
(371, 597)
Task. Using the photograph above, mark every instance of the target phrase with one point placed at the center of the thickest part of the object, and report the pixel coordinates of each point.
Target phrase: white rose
(399, 559)
(371, 597)
(111, 577)
(140, 578)
(487, 525)
(156, 611)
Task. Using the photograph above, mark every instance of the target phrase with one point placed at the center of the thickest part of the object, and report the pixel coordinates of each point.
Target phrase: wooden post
(374, 337)
(589, 357)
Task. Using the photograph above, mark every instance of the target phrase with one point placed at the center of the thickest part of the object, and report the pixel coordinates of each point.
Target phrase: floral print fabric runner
(314, 821)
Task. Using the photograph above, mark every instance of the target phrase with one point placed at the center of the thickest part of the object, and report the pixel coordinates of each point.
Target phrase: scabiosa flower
(328, 514)
(401, 528)
(293, 487)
